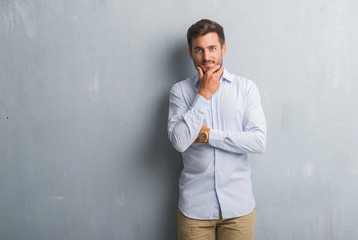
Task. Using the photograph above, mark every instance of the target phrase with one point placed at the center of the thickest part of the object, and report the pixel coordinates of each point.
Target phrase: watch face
(203, 136)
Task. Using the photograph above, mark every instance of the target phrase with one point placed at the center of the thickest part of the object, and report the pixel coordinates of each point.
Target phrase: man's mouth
(208, 64)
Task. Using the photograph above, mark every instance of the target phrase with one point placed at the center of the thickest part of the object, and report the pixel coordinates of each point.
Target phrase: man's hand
(210, 81)
(203, 128)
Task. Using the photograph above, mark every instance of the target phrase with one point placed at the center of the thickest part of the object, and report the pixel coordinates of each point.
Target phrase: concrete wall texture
(84, 87)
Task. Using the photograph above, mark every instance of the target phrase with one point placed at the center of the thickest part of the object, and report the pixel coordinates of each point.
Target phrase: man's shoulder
(188, 82)
(239, 80)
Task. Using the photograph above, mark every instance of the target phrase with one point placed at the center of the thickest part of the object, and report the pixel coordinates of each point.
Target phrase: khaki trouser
(241, 228)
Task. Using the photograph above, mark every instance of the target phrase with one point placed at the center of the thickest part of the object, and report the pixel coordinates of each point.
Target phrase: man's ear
(190, 53)
(223, 49)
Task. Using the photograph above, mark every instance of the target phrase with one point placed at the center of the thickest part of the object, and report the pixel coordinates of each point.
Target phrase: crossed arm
(185, 123)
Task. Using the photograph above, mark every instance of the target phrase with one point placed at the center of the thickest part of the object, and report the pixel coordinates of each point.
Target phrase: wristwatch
(204, 136)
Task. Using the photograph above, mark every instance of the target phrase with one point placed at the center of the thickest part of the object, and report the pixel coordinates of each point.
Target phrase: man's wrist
(204, 94)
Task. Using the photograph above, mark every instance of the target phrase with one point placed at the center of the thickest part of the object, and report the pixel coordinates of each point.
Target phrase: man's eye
(198, 50)
(212, 48)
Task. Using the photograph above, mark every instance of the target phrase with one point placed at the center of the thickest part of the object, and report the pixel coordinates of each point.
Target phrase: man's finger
(200, 71)
(217, 70)
(214, 69)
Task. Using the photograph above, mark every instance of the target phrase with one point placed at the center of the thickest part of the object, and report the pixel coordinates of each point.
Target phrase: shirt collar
(226, 76)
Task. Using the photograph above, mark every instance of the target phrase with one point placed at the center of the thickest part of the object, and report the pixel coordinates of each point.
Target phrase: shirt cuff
(216, 138)
(201, 104)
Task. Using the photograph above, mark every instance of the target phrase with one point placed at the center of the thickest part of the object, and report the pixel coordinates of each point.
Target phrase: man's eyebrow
(207, 47)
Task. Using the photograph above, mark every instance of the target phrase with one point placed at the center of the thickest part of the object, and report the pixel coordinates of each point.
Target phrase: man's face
(206, 51)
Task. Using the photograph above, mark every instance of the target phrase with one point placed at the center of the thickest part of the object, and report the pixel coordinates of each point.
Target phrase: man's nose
(206, 55)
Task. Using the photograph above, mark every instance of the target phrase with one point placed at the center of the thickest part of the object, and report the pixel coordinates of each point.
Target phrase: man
(215, 119)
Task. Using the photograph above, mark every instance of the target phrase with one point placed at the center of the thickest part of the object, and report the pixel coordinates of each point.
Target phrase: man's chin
(205, 69)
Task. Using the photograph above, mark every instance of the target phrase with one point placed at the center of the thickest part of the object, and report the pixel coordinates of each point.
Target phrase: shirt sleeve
(184, 122)
(252, 139)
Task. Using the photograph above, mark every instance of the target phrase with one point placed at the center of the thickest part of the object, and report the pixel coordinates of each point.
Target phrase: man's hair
(203, 27)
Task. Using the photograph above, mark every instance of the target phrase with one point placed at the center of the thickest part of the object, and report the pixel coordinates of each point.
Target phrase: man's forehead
(211, 39)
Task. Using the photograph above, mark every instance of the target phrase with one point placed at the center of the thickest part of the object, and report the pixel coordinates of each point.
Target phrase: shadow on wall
(162, 153)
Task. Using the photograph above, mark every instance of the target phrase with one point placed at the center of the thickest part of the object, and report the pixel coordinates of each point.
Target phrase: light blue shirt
(216, 174)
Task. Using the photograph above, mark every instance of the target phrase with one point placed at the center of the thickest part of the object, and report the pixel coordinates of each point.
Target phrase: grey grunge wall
(84, 87)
